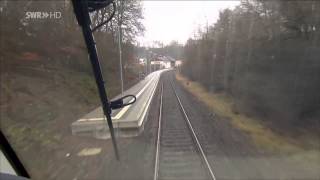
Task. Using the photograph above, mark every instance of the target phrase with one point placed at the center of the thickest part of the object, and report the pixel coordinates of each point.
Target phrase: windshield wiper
(82, 8)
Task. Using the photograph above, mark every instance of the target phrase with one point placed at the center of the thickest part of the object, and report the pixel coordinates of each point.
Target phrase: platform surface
(129, 119)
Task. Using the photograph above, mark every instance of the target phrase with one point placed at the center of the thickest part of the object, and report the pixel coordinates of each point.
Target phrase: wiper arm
(82, 8)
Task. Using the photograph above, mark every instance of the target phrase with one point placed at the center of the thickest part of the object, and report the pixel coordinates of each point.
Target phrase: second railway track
(179, 154)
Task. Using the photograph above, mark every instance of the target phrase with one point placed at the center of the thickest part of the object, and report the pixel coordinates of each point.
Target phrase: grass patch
(262, 136)
(24, 136)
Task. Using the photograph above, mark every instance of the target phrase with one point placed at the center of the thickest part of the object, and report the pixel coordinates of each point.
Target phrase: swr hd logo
(43, 15)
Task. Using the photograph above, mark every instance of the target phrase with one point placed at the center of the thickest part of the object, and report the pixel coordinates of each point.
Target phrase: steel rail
(156, 166)
(203, 155)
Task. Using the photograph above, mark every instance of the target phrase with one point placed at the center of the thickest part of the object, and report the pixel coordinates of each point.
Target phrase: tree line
(265, 55)
(55, 43)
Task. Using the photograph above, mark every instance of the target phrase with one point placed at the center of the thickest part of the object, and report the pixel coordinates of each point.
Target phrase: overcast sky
(166, 21)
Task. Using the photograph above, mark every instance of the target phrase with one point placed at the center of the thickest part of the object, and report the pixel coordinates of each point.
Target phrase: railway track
(179, 154)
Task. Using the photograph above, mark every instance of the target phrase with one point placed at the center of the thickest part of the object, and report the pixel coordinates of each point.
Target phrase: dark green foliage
(265, 54)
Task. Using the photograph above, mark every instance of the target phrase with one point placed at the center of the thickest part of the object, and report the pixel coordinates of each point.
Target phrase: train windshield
(221, 89)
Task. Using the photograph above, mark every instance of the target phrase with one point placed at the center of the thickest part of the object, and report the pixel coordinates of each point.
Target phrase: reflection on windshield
(237, 98)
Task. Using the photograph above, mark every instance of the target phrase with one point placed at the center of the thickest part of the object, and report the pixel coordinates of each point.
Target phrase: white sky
(166, 21)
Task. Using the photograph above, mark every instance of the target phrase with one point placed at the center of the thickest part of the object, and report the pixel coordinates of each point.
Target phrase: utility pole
(148, 61)
(120, 42)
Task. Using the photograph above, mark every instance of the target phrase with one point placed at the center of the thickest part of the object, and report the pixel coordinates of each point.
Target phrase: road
(173, 152)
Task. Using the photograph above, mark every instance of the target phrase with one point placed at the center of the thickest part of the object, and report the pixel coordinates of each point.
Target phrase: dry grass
(261, 135)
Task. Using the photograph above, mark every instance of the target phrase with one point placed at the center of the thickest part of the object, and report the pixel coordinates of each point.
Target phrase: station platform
(127, 121)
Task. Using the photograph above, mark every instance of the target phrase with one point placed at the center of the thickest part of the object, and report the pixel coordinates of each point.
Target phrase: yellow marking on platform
(125, 109)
